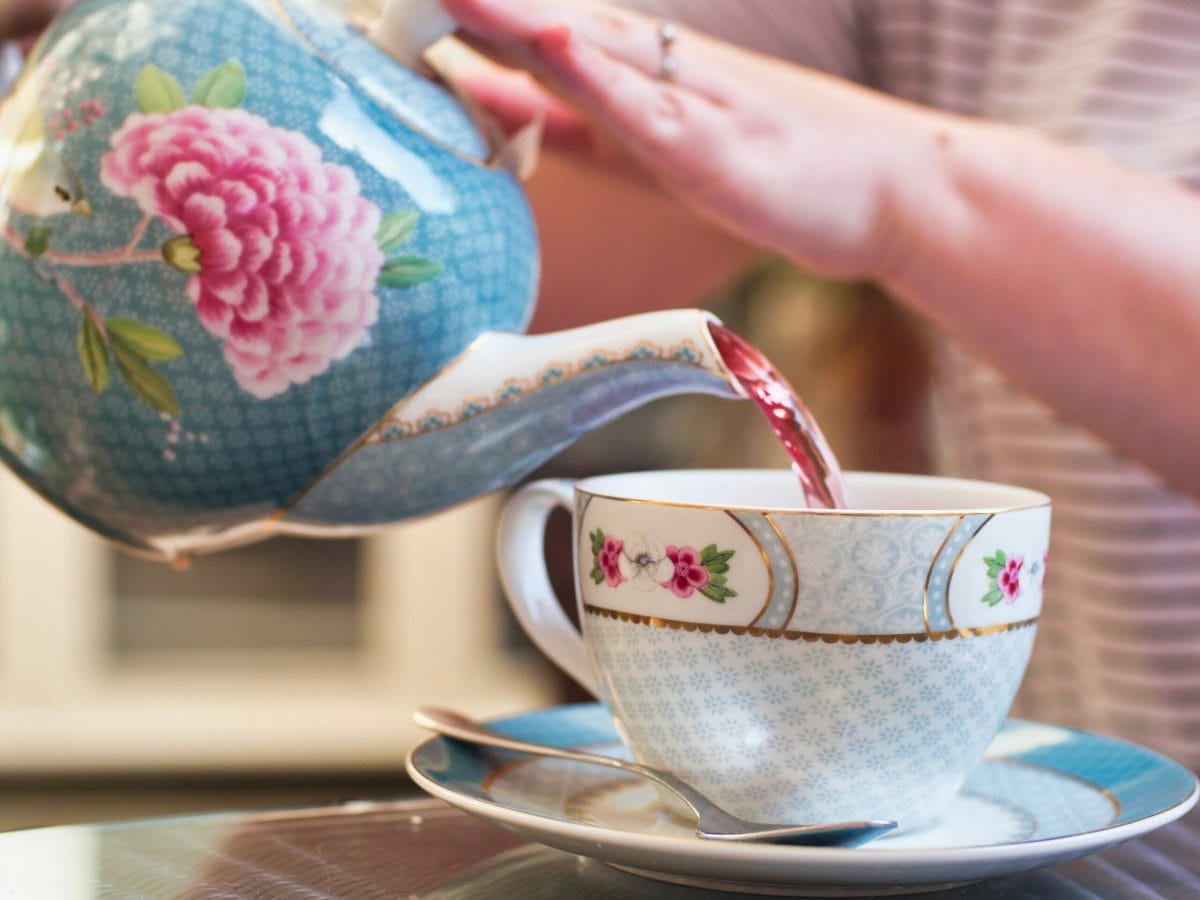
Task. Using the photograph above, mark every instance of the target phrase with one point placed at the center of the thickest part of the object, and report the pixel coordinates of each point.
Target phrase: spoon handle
(454, 725)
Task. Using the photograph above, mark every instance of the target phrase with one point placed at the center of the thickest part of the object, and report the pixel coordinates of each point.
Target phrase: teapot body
(234, 236)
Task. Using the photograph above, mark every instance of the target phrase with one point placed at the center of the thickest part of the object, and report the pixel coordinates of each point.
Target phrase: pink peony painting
(283, 252)
(279, 243)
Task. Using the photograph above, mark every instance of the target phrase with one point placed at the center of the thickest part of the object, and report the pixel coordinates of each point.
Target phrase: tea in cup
(795, 664)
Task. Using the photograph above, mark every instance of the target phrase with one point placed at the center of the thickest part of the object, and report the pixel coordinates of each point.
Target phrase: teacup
(795, 664)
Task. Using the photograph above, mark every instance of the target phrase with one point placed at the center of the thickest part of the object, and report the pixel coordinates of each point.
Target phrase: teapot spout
(503, 407)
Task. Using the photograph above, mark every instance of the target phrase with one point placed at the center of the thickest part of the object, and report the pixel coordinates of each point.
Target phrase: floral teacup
(795, 664)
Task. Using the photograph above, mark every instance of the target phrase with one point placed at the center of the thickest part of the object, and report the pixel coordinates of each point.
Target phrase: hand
(784, 157)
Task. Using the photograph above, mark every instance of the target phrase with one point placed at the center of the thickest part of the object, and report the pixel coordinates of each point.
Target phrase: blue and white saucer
(1043, 795)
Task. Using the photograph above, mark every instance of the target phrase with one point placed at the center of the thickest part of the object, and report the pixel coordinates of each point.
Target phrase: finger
(514, 100)
(676, 132)
(513, 29)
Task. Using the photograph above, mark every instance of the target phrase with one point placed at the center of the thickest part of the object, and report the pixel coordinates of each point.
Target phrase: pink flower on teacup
(1004, 578)
(1009, 579)
(689, 574)
(609, 560)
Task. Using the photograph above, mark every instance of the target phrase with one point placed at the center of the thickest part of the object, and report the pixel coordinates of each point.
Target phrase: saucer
(1043, 795)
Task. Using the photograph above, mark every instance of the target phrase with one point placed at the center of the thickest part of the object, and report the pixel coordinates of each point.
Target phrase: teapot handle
(522, 563)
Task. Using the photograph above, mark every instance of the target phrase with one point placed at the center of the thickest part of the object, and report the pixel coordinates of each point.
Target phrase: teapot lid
(397, 89)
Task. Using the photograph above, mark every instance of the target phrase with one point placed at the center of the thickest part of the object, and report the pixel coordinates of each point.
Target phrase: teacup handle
(522, 563)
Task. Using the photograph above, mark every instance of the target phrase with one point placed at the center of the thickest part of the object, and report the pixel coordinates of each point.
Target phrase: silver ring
(668, 65)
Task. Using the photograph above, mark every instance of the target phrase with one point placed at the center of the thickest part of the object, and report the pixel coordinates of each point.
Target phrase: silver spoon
(711, 821)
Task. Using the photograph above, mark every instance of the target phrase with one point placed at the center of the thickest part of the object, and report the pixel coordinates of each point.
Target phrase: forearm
(1078, 278)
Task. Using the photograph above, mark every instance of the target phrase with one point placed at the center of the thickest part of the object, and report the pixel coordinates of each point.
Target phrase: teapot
(257, 276)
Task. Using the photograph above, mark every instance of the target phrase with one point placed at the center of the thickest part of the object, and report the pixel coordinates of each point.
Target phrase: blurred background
(287, 672)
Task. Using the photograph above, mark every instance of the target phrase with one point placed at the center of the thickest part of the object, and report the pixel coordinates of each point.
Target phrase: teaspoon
(711, 821)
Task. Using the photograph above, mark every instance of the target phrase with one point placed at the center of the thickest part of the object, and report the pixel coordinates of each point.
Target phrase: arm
(1070, 273)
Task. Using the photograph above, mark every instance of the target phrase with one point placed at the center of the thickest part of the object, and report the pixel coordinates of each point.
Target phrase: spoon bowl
(712, 822)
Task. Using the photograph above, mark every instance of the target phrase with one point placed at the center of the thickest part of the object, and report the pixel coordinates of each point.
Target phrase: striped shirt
(1118, 649)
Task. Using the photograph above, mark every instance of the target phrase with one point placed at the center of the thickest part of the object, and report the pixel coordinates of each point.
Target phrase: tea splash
(794, 426)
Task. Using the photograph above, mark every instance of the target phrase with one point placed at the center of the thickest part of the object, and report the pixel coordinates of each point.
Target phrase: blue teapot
(258, 277)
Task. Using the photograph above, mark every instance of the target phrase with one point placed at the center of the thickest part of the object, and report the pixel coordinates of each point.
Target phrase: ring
(668, 34)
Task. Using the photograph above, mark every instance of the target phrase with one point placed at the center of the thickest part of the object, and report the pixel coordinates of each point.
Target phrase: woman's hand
(782, 156)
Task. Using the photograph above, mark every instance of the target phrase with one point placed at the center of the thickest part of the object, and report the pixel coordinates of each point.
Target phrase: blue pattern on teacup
(784, 579)
(780, 729)
(938, 600)
(861, 574)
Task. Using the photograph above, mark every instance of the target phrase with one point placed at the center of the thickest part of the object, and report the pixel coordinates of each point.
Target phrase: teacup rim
(593, 487)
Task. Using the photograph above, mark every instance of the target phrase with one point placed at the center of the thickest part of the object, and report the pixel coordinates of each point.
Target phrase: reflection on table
(426, 849)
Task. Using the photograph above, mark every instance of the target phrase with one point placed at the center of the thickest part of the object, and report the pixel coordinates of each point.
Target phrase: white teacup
(795, 664)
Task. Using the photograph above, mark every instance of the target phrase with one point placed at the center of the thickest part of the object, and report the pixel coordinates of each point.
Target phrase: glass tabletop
(424, 848)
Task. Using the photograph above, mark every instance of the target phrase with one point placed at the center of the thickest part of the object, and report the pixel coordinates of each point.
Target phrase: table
(423, 848)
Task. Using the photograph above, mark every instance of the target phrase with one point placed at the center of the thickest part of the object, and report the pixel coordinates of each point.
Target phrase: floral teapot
(258, 277)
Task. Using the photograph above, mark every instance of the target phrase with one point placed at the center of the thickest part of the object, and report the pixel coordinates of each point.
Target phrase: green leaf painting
(142, 380)
(717, 590)
(222, 88)
(716, 561)
(597, 538)
(408, 271)
(133, 346)
(403, 271)
(396, 229)
(995, 564)
(158, 92)
(147, 342)
(37, 242)
(94, 355)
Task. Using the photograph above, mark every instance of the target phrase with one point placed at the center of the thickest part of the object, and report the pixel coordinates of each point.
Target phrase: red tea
(812, 460)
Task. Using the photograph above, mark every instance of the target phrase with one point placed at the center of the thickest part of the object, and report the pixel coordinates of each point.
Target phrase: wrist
(921, 204)
(959, 197)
